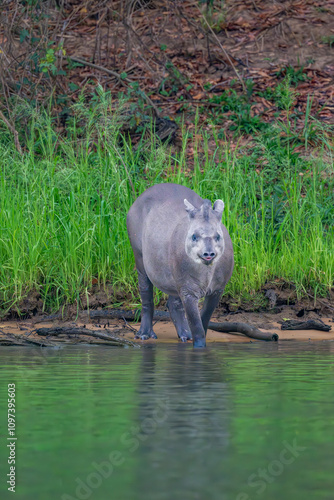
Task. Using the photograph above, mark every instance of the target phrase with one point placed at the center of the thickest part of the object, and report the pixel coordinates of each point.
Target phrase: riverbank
(165, 330)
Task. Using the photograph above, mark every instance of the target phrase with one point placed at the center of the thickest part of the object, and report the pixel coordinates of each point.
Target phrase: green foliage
(175, 80)
(73, 86)
(47, 64)
(295, 75)
(63, 205)
(313, 132)
(136, 105)
(284, 96)
(329, 40)
(239, 109)
(23, 35)
(214, 14)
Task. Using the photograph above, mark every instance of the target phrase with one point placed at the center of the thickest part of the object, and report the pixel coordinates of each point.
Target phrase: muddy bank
(277, 300)
(165, 330)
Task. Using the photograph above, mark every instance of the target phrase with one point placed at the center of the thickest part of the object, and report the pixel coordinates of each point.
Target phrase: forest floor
(188, 62)
(224, 63)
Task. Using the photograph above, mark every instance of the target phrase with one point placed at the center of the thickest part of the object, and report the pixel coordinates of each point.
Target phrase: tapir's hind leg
(179, 319)
(146, 293)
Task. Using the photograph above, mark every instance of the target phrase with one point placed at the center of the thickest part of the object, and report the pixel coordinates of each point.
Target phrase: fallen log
(310, 324)
(107, 335)
(11, 339)
(248, 330)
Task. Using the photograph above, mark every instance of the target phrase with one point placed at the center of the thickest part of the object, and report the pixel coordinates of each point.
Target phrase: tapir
(181, 247)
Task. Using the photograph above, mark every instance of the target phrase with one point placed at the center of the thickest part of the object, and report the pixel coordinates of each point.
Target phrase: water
(166, 422)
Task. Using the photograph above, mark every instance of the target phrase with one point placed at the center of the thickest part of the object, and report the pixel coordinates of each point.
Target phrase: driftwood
(311, 324)
(249, 331)
(107, 335)
(10, 339)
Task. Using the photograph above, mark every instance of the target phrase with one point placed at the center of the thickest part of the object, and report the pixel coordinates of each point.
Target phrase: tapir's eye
(218, 237)
(194, 237)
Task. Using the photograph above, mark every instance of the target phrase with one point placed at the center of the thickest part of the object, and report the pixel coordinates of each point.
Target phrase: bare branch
(116, 75)
(222, 48)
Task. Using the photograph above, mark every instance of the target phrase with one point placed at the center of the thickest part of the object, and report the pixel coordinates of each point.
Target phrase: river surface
(166, 422)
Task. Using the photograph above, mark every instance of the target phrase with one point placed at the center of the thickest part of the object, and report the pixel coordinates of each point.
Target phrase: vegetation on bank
(64, 200)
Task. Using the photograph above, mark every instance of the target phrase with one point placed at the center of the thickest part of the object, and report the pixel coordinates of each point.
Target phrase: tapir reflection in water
(182, 248)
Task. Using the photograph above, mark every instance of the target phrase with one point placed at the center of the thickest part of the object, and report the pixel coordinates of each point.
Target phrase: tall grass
(63, 207)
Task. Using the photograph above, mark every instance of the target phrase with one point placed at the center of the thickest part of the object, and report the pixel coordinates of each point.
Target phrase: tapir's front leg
(210, 303)
(190, 304)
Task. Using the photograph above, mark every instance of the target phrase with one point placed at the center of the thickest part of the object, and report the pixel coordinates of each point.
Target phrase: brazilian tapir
(182, 248)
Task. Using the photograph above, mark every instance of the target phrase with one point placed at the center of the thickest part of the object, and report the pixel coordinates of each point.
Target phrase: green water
(234, 421)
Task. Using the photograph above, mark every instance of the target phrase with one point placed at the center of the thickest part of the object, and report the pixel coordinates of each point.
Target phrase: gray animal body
(182, 248)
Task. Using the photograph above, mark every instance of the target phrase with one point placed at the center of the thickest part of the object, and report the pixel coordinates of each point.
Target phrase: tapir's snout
(208, 257)
(209, 252)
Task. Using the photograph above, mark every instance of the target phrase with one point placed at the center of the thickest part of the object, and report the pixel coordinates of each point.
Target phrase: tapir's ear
(190, 208)
(218, 208)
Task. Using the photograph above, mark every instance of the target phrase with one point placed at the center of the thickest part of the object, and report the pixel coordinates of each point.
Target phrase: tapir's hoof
(185, 336)
(146, 336)
(199, 343)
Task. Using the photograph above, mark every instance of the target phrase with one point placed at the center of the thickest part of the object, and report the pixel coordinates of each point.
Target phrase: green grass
(63, 206)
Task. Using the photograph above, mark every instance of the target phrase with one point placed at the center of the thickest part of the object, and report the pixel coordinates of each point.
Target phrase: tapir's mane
(206, 209)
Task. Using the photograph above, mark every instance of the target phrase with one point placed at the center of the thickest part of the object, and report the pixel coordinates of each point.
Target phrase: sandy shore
(166, 332)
